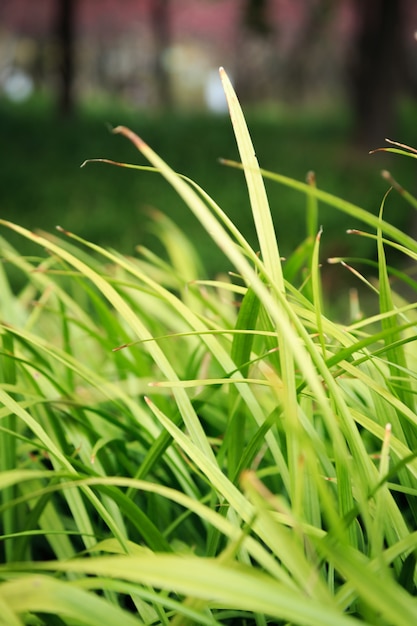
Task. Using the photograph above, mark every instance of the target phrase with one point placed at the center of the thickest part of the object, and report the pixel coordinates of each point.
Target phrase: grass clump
(190, 451)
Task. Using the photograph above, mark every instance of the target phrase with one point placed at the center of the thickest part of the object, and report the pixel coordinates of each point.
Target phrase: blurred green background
(42, 184)
(321, 83)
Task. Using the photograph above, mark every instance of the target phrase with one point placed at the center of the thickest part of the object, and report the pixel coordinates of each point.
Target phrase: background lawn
(42, 184)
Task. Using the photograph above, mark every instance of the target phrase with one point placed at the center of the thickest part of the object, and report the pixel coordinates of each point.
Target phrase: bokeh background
(321, 81)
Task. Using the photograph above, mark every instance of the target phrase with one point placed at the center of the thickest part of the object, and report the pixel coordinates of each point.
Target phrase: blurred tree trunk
(65, 36)
(160, 20)
(377, 69)
(254, 51)
(297, 71)
(255, 16)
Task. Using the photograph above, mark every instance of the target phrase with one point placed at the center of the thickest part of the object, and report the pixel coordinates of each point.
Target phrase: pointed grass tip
(390, 141)
(62, 230)
(87, 161)
(386, 175)
(223, 74)
(109, 161)
(333, 260)
(129, 134)
(311, 178)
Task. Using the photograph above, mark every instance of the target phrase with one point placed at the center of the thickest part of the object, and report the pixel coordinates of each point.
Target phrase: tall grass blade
(256, 187)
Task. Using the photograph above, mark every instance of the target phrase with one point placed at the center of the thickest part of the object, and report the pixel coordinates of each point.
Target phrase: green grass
(177, 449)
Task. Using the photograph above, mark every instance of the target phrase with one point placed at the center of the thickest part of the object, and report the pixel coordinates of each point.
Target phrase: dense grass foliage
(187, 450)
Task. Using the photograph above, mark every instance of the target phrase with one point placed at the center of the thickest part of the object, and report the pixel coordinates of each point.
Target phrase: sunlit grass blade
(235, 435)
(312, 224)
(316, 289)
(381, 500)
(44, 594)
(256, 187)
(396, 356)
(8, 445)
(234, 587)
